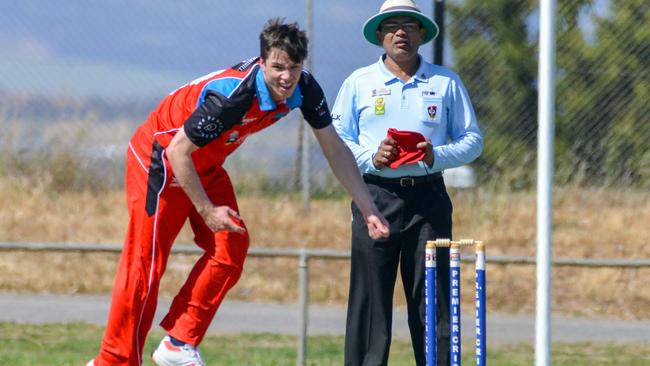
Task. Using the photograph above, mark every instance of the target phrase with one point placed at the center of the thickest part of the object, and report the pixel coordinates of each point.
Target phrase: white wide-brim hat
(393, 8)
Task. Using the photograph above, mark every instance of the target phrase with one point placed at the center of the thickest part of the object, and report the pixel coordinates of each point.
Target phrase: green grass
(75, 344)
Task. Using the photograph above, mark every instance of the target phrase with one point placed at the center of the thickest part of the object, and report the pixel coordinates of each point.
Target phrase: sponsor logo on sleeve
(320, 108)
(209, 127)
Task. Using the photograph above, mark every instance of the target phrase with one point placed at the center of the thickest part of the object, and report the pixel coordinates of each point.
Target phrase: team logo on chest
(380, 106)
(433, 110)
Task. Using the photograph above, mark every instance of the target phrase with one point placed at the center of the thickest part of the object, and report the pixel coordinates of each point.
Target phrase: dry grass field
(588, 224)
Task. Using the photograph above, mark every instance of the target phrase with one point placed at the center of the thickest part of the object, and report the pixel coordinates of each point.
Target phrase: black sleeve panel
(314, 106)
(210, 119)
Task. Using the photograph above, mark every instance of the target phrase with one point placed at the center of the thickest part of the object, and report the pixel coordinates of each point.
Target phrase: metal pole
(303, 270)
(321, 254)
(545, 181)
(438, 42)
(304, 176)
(303, 301)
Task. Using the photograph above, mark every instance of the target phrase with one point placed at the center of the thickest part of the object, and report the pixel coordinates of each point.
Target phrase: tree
(497, 62)
(603, 97)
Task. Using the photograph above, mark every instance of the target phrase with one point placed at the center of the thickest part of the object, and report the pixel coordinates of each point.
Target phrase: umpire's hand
(386, 153)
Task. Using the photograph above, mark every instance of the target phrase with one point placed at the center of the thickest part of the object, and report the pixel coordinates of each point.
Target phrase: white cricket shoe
(169, 355)
(91, 362)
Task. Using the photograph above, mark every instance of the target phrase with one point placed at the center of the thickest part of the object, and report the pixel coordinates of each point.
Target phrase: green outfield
(74, 344)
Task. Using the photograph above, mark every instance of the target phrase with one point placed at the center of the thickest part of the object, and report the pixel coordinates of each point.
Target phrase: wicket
(454, 301)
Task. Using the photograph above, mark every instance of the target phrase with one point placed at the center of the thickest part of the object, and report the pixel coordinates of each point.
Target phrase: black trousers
(416, 214)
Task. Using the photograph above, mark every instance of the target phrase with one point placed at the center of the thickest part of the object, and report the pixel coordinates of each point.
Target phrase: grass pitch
(75, 344)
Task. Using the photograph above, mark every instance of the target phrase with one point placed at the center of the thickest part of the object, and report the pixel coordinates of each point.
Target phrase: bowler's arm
(179, 153)
(345, 168)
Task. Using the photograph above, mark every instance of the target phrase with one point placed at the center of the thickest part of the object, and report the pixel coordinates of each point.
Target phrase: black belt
(402, 181)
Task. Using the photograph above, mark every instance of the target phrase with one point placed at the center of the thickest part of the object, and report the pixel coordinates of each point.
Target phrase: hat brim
(372, 25)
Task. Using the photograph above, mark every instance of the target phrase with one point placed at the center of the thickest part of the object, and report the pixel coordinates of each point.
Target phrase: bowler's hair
(286, 37)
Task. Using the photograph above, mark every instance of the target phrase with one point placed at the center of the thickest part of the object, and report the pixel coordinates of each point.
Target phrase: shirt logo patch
(209, 127)
(247, 120)
(379, 92)
(380, 106)
(232, 138)
(433, 110)
(427, 93)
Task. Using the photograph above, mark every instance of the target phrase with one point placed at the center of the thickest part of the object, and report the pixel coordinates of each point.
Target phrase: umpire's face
(401, 37)
(281, 74)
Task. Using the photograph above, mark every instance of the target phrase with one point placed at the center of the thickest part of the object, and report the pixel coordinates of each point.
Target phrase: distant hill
(140, 49)
(61, 78)
(38, 109)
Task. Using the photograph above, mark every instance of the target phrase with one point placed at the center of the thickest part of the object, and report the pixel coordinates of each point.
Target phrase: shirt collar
(264, 95)
(389, 77)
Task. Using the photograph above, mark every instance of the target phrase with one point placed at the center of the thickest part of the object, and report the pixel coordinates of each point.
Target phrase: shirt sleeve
(346, 122)
(314, 105)
(466, 139)
(220, 107)
(210, 119)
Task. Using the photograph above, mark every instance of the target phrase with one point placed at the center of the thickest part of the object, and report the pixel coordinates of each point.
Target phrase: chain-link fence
(602, 118)
(77, 78)
(97, 69)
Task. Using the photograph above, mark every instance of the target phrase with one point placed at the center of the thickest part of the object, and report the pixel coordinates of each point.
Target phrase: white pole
(305, 166)
(546, 101)
(303, 304)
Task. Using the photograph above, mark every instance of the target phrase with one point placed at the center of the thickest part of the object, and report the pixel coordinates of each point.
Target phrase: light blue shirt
(434, 102)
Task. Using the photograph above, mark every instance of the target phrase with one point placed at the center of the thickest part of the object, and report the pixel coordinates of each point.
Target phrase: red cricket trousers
(158, 208)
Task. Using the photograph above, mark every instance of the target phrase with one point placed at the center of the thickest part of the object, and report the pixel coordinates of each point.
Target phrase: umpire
(405, 120)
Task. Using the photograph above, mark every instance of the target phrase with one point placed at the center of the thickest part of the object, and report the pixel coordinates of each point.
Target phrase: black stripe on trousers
(156, 178)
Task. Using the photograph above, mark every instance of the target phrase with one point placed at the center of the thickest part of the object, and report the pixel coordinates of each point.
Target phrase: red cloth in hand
(406, 142)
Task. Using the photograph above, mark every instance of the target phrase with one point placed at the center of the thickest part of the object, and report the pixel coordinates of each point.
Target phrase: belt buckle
(403, 182)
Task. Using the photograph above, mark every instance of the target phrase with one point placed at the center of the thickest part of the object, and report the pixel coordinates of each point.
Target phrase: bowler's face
(281, 74)
(401, 37)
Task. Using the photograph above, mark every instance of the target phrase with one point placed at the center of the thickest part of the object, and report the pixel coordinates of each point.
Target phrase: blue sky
(145, 47)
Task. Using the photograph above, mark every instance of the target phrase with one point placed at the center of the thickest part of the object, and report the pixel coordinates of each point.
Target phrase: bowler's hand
(386, 153)
(426, 146)
(377, 226)
(222, 218)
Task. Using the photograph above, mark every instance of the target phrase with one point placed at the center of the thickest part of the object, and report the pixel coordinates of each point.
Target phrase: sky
(142, 47)
(121, 50)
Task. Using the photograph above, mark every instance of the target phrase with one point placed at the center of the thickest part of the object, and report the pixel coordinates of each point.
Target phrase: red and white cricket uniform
(217, 112)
